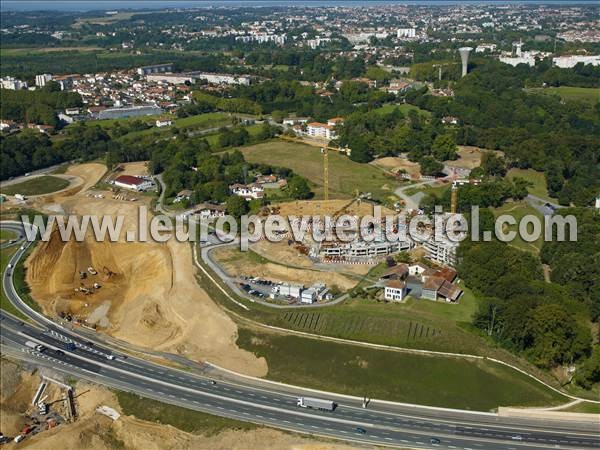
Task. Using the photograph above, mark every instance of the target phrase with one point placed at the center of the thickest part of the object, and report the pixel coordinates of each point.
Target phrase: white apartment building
(406, 33)
(566, 62)
(13, 84)
(441, 250)
(41, 80)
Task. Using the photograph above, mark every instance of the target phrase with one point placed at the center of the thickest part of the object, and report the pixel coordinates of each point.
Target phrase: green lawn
(185, 419)
(519, 210)
(588, 95)
(539, 187)
(6, 235)
(5, 255)
(198, 122)
(404, 108)
(585, 407)
(436, 381)
(345, 175)
(437, 189)
(39, 185)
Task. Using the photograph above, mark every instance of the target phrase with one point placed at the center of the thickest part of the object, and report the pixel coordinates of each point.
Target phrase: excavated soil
(148, 292)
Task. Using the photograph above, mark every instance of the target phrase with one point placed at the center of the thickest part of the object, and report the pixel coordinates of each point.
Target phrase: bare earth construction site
(139, 297)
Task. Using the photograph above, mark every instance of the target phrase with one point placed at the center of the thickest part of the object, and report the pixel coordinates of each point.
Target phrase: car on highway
(434, 440)
(517, 437)
(360, 430)
(111, 357)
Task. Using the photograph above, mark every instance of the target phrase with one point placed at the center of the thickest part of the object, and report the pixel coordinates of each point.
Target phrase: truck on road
(33, 345)
(316, 403)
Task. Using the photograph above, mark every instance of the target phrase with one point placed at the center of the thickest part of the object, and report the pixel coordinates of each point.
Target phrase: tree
(236, 206)
(430, 166)
(444, 147)
(493, 165)
(298, 188)
(556, 336)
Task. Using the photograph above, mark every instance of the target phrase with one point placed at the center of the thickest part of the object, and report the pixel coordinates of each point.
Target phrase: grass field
(539, 187)
(585, 407)
(5, 255)
(581, 94)
(435, 381)
(36, 186)
(519, 210)
(404, 108)
(6, 235)
(345, 175)
(437, 189)
(185, 419)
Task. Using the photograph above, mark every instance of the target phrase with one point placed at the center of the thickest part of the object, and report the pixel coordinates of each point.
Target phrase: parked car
(360, 430)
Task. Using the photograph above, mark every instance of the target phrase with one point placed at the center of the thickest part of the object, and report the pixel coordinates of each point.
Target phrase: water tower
(464, 56)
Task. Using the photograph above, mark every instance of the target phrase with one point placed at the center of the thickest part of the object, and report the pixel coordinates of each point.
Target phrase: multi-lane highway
(220, 393)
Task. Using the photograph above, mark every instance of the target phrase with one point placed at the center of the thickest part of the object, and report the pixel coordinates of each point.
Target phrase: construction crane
(454, 193)
(325, 152)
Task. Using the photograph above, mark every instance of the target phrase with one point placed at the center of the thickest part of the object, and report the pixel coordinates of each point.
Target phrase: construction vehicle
(316, 403)
(82, 275)
(97, 285)
(33, 345)
(92, 271)
(107, 272)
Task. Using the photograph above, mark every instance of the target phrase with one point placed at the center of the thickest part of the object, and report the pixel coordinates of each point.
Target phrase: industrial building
(132, 182)
(157, 68)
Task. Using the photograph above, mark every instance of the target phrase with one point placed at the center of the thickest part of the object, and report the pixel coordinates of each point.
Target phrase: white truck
(33, 345)
(316, 403)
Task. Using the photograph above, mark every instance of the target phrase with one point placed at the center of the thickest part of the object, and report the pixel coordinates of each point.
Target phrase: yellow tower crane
(325, 152)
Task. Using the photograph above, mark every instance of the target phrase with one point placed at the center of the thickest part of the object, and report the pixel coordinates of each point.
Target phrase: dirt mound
(236, 262)
(148, 293)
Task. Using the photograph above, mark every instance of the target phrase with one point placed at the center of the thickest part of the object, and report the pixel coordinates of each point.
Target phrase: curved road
(272, 404)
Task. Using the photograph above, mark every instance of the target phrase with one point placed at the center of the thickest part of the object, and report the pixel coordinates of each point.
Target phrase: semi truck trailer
(316, 403)
(33, 345)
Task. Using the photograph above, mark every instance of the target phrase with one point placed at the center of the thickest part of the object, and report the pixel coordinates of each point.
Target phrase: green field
(585, 407)
(36, 186)
(404, 108)
(417, 324)
(6, 235)
(185, 419)
(581, 94)
(519, 210)
(436, 381)
(5, 255)
(427, 189)
(345, 175)
(538, 180)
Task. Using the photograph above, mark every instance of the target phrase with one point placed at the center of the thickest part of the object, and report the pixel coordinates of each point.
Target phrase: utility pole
(325, 173)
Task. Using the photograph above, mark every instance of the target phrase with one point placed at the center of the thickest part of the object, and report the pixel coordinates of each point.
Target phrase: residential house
(249, 192)
(395, 290)
(163, 122)
(183, 195)
(208, 211)
(397, 272)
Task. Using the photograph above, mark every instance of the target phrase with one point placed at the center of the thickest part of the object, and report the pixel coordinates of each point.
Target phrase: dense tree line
(520, 310)
(376, 133)
(29, 150)
(534, 130)
(37, 106)
(190, 164)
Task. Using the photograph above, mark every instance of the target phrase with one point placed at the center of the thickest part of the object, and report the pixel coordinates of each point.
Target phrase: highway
(220, 393)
